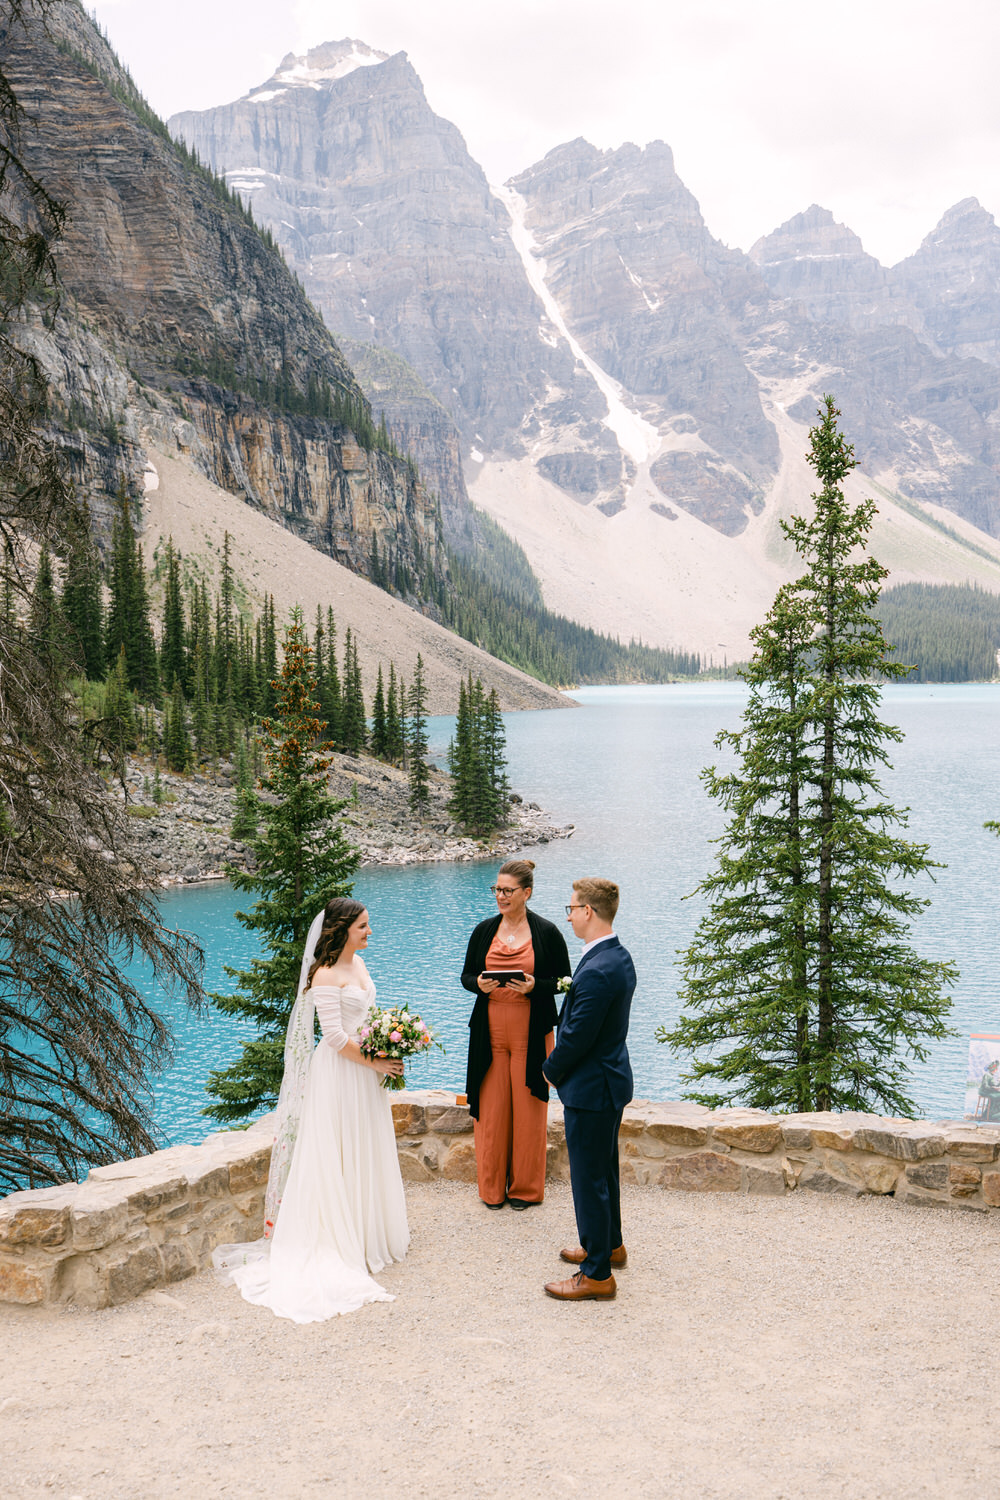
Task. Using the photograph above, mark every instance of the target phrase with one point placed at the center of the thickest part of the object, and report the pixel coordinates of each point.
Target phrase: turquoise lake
(624, 767)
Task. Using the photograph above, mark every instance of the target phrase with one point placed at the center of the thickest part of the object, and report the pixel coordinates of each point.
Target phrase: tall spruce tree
(176, 740)
(480, 789)
(172, 662)
(379, 736)
(395, 747)
(82, 605)
(45, 621)
(354, 728)
(128, 623)
(419, 771)
(302, 860)
(801, 990)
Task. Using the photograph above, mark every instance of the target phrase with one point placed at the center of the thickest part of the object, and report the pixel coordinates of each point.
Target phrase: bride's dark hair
(338, 917)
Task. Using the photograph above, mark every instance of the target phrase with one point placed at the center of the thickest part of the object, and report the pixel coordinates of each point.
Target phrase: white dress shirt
(593, 944)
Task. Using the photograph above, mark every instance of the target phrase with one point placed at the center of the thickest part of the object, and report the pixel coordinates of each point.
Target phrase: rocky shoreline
(187, 836)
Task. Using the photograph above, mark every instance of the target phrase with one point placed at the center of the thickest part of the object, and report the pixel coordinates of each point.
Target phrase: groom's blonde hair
(600, 895)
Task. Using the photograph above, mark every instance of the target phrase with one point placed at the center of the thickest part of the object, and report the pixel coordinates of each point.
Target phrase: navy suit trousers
(592, 1143)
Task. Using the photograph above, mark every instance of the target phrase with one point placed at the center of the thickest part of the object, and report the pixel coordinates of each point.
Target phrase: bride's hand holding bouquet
(391, 1036)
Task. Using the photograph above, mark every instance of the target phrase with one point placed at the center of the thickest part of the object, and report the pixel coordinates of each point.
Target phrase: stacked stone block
(140, 1224)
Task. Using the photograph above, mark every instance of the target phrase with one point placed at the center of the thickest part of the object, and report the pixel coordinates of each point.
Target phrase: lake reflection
(624, 767)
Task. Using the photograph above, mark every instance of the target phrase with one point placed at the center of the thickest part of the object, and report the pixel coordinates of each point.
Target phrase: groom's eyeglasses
(576, 908)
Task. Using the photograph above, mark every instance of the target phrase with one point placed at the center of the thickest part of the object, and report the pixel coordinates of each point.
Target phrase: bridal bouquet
(394, 1033)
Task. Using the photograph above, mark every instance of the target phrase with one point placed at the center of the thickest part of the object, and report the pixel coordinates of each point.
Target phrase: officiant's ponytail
(338, 917)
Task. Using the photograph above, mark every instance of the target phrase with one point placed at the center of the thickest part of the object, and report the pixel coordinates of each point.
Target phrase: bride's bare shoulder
(329, 979)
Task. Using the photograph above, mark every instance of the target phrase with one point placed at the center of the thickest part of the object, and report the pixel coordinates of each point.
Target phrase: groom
(589, 1066)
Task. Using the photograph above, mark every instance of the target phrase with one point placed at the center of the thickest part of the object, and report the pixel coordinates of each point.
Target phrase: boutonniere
(564, 985)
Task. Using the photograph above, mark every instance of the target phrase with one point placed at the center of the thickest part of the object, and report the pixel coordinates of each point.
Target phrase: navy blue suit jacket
(589, 1064)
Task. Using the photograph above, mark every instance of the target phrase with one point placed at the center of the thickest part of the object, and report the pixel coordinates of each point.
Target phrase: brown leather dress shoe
(577, 1257)
(579, 1288)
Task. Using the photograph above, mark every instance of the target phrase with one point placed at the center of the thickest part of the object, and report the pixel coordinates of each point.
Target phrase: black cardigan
(551, 964)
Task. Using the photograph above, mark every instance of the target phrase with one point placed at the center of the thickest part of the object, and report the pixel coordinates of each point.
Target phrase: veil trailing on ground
(299, 1047)
(300, 1042)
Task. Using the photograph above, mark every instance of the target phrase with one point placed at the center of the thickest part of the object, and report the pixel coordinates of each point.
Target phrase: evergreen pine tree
(176, 741)
(302, 860)
(118, 621)
(332, 698)
(45, 621)
(379, 738)
(269, 659)
(419, 771)
(353, 731)
(82, 605)
(460, 756)
(128, 623)
(120, 730)
(394, 747)
(801, 991)
(201, 708)
(495, 745)
(225, 631)
(358, 710)
(172, 662)
(144, 669)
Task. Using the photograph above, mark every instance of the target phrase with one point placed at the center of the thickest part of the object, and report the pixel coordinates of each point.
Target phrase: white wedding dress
(343, 1211)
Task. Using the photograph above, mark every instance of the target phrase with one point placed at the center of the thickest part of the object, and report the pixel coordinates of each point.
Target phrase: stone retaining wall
(146, 1223)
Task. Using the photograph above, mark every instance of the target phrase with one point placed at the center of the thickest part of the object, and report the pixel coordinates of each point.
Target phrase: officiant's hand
(487, 985)
(522, 986)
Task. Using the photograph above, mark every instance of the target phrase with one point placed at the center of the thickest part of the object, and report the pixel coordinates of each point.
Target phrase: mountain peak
(965, 221)
(319, 67)
(814, 234)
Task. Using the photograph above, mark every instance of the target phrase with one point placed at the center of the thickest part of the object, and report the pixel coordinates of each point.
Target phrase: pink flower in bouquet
(366, 1031)
(395, 1036)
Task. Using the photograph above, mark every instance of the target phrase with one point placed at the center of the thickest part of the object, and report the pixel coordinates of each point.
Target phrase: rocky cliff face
(822, 267)
(180, 325)
(632, 398)
(954, 281)
(391, 224)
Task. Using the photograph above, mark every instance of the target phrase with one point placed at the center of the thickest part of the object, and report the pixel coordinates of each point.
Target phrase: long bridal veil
(299, 1045)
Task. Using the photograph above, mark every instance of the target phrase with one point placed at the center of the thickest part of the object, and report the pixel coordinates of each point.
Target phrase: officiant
(510, 1036)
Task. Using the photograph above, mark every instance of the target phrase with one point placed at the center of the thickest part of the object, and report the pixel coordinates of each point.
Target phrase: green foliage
(82, 604)
(395, 743)
(948, 632)
(176, 741)
(499, 618)
(801, 990)
(128, 625)
(353, 720)
(379, 736)
(477, 760)
(416, 746)
(173, 666)
(120, 730)
(45, 620)
(302, 860)
(497, 558)
(78, 1041)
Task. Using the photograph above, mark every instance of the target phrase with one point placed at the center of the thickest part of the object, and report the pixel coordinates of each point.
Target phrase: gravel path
(797, 1347)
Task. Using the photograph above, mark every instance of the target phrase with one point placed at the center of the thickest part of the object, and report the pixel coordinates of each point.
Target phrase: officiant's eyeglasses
(504, 890)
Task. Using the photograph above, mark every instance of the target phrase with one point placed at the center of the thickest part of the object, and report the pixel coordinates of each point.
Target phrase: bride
(334, 1169)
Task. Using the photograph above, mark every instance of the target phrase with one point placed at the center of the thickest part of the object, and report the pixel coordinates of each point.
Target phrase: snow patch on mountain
(327, 63)
(636, 437)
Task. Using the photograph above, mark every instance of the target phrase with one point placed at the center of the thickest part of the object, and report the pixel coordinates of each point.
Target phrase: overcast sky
(887, 112)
